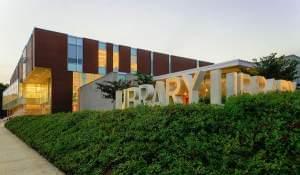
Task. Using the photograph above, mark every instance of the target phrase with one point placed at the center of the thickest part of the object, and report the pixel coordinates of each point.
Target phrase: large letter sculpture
(146, 92)
(174, 90)
(159, 97)
(132, 96)
(193, 84)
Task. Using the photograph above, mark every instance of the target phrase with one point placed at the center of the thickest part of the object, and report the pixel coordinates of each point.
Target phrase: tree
(109, 88)
(2, 88)
(143, 78)
(275, 67)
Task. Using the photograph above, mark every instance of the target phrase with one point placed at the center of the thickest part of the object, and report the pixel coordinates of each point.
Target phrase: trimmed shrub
(248, 135)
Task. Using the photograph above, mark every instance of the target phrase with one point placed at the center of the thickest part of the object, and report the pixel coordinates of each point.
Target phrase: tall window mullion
(115, 58)
(102, 58)
(133, 60)
(75, 54)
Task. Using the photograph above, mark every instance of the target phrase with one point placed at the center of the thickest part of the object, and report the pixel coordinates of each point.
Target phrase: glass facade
(133, 60)
(36, 97)
(122, 76)
(75, 54)
(24, 64)
(80, 79)
(32, 96)
(102, 58)
(11, 95)
(115, 58)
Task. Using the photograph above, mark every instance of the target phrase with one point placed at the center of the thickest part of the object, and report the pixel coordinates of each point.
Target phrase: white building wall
(90, 98)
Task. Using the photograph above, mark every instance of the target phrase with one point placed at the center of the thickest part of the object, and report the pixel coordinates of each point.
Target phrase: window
(133, 60)
(115, 58)
(75, 54)
(24, 64)
(102, 58)
(121, 76)
(80, 79)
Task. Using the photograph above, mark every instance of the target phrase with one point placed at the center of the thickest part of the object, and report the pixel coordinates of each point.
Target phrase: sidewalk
(16, 158)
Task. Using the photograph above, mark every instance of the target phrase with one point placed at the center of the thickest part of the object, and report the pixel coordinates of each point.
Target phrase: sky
(209, 30)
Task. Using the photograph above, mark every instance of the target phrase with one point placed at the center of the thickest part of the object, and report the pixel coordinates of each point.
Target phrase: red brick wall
(124, 59)
(181, 63)
(203, 63)
(51, 52)
(160, 64)
(90, 56)
(109, 57)
(143, 61)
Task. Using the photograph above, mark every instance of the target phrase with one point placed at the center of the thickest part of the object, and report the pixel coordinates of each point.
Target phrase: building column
(231, 84)
(215, 87)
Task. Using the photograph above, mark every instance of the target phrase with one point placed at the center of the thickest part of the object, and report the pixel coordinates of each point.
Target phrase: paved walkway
(16, 158)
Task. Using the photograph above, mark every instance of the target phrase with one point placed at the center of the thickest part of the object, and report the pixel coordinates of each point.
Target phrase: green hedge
(248, 135)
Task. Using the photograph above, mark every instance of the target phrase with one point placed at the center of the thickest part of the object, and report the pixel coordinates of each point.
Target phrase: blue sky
(211, 30)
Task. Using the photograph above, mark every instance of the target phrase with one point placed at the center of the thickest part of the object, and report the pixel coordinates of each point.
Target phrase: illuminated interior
(80, 79)
(30, 97)
(11, 96)
(115, 58)
(102, 59)
(133, 61)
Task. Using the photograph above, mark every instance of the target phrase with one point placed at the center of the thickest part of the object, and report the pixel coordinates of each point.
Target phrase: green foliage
(144, 78)
(275, 67)
(206, 100)
(3, 87)
(248, 135)
(108, 88)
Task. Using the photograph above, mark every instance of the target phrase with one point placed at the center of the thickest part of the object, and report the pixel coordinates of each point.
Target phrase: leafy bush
(248, 135)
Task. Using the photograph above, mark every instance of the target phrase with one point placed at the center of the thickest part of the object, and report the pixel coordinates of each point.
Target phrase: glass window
(133, 51)
(72, 60)
(80, 79)
(79, 61)
(72, 67)
(75, 53)
(72, 51)
(24, 71)
(102, 45)
(72, 40)
(79, 67)
(102, 58)
(115, 58)
(133, 60)
(121, 77)
(79, 42)
(79, 52)
(102, 70)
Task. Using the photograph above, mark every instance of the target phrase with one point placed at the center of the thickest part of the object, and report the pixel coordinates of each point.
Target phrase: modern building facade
(53, 66)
